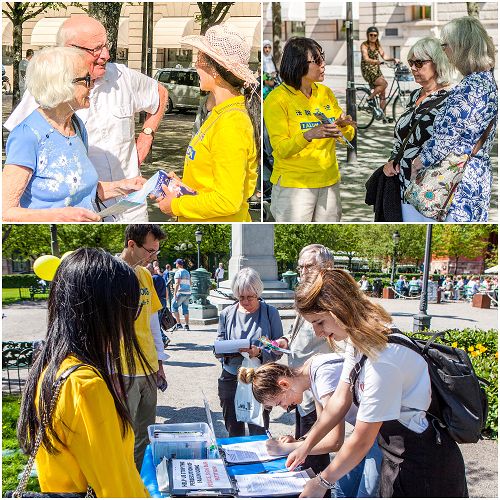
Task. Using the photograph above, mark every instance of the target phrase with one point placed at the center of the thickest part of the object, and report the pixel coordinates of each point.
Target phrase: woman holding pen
(305, 121)
(393, 391)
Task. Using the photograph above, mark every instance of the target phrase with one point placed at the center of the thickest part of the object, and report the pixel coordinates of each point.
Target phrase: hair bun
(246, 375)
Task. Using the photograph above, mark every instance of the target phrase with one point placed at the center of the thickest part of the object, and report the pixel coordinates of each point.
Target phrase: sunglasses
(418, 63)
(95, 52)
(372, 34)
(87, 79)
(318, 59)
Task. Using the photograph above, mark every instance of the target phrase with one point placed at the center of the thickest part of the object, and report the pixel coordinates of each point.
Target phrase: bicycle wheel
(364, 112)
(399, 105)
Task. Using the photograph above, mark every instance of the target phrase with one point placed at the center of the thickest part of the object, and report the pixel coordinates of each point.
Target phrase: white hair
(50, 74)
(430, 48)
(247, 280)
(471, 48)
(319, 253)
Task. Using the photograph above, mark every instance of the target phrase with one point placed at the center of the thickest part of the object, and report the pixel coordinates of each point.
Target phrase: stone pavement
(192, 371)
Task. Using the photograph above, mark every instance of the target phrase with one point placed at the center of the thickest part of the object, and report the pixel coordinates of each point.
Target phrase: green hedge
(19, 280)
(482, 347)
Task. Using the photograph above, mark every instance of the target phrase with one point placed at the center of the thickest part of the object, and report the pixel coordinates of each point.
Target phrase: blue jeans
(363, 481)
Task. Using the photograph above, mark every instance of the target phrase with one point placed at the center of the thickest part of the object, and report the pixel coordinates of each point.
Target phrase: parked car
(183, 85)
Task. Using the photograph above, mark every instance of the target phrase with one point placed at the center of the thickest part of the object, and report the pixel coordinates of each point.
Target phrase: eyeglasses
(87, 79)
(418, 63)
(444, 45)
(94, 52)
(318, 59)
(150, 252)
(247, 298)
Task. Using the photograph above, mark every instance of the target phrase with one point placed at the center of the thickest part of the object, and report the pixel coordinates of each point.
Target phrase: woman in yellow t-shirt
(88, 440)
(304, 121)
(222, 158)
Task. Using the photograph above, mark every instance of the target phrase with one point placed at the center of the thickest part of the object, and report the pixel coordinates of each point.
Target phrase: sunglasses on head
(418, 63)
(87, 79)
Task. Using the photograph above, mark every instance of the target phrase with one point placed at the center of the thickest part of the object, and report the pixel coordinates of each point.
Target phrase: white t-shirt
(219, 273)
(395, 386)
(110, 124)
(324, 372)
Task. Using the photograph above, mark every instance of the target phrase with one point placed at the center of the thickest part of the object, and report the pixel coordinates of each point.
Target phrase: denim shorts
(181, 300)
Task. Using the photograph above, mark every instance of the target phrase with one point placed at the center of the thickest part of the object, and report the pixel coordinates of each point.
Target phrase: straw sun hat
(226, 46)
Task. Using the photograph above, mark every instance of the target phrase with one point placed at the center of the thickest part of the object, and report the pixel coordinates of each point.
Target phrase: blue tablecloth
(148, 473)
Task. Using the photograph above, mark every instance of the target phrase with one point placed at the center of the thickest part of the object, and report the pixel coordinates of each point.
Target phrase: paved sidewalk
(192, 370)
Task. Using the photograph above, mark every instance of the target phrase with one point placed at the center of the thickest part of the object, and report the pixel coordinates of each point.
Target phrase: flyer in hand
(273, 345)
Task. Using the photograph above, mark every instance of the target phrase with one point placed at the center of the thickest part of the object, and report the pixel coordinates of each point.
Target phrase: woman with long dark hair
(222, 158)
(392, 391)
(88, 439)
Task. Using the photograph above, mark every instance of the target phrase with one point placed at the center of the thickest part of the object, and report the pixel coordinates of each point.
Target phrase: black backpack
(459, 402)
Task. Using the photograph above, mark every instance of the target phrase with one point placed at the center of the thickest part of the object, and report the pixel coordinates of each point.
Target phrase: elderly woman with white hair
(432, 71)
(249, 318)
(469, 114)
(47, 175)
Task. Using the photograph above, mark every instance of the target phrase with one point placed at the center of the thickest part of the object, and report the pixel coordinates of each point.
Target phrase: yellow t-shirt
(95, 452)
(288, 113)
(221, 165)
(149, 303)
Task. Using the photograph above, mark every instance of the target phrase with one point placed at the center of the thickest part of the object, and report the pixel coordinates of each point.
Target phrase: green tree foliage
(212, 13)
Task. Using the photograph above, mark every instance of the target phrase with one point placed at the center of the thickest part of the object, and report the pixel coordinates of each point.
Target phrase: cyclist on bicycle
(370, 65)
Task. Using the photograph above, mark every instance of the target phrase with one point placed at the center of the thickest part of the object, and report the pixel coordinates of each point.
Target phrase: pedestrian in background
(181, 294)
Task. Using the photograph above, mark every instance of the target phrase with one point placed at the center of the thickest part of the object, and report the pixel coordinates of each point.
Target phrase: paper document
(230, 346)
(191, 475)
(281, 484)
(249, 452)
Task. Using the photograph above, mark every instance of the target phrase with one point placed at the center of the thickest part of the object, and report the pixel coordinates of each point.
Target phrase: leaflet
(273, 345)
(279, 484)
(248, 452)
(230, 346)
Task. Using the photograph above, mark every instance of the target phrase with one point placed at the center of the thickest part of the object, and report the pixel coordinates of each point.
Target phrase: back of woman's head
(336, 292)
(264, 380)
(294, 63)
(471, 49)
(50, 74)
(429, 48)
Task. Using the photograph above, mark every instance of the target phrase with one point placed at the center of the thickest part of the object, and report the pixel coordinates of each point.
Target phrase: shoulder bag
(431, 191)
(20, 491)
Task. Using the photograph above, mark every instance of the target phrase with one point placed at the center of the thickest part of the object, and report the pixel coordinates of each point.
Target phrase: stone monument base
(203, 314)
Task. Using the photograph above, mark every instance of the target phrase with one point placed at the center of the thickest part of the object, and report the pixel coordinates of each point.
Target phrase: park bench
(16, 356)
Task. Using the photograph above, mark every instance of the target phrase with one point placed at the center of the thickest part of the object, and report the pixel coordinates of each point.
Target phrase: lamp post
(198, 235)
(395, 240)
(422, 321)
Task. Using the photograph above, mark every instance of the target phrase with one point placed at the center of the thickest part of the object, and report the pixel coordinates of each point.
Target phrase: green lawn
(12, 464)
(10, 296)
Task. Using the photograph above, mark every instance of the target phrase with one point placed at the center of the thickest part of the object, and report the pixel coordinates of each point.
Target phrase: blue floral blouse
(470, 107)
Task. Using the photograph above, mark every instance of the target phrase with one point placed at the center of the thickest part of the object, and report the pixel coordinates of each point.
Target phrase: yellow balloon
(45, 267)
(65, 254)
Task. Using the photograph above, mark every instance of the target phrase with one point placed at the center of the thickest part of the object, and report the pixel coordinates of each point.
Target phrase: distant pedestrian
(182, 293)
(219, 274)
(23, 66)
(169, 283)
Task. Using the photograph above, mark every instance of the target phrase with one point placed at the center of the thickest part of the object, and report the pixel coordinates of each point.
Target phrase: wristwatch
(323, 482)
(148, 131)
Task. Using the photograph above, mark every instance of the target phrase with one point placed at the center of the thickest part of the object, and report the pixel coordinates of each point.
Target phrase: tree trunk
(212, 13)
(54, 244)
(473, 9)
(276, 16)
(17, 46)
(456, 264)
(108, 13)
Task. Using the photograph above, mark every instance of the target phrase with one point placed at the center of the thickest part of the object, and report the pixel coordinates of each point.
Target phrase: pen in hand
(268, 434)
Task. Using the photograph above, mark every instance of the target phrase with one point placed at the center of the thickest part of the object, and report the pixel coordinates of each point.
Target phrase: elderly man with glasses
(118, 94)
(142, 245)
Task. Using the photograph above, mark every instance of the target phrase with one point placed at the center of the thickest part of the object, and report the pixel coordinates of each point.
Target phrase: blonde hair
(264, 379)
(471, 48)
(50, 74)
(336, 291)
(430, 48)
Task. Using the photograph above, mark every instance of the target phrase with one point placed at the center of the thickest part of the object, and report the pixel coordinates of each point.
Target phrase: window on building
(294, 28)
(7, 55)
(20, 265)
(421, 12)
(122, 55)
(396, 52)
(341, 31)
(391, 32)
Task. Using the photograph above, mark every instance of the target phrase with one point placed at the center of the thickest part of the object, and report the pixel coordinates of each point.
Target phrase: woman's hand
(297, 457)
(166, 202)
(345, 121)
(287, 439)
(276, 448)
(130, 185)
(282, 343)
(415, 167)
(390, 169)
(313, 489)
(253, 351)
(323, 131)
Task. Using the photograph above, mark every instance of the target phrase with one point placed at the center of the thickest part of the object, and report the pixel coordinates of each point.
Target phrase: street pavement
(193, 371)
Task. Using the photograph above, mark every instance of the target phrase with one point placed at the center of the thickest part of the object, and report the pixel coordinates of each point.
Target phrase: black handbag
(167, 319)
(20, 491)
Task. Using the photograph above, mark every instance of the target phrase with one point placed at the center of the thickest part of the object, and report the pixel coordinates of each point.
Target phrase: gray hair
(50, 74)
(471, 48)
(319, 253)
(430, 48)
(247, 280)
